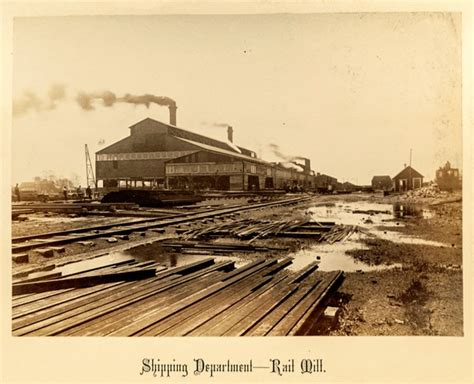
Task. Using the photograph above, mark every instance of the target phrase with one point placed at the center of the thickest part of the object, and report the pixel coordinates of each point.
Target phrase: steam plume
(292, 166)
(278, 153)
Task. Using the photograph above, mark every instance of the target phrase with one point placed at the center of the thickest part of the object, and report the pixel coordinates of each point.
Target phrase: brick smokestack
(230, 134)
(173, 108)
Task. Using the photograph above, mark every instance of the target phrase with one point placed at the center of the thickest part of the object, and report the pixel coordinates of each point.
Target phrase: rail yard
(179, 234)
(252, 265)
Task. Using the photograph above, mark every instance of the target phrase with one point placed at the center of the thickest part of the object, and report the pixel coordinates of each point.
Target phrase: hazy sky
(353, 92)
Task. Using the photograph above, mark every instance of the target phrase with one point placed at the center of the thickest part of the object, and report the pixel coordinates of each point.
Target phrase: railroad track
(44, 240)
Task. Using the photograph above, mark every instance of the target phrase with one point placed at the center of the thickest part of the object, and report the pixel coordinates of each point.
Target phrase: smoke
(290, 165)
(56, 93)
(86, 100)
(147, 100)
(278, 153)
(223, 125)
(31, 101)
(215, 124)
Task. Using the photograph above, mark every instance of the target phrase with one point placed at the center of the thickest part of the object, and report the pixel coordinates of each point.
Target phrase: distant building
(347, 187)
(383, 183)
(324, 182)
(408, 179)
(448, 178)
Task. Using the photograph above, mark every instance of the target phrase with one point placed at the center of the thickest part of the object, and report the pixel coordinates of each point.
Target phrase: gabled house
(407, 179)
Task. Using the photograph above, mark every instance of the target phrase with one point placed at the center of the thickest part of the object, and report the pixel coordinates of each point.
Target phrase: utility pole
(411, 179)
(90, 178)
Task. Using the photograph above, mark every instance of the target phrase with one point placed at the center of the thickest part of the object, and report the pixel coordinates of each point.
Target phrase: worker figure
(89, 192)
(79, 192)
(17, 192)
(65, 193)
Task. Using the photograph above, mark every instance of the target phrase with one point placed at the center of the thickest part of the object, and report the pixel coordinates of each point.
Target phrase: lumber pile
(204, 298)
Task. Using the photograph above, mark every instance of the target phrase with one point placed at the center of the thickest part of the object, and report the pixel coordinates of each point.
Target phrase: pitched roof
(185, 134)
(408, 172)
(381, 178)
(225, 152)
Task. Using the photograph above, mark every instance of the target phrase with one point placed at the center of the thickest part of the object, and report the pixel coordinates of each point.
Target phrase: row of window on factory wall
(143, 155)
(203, 168)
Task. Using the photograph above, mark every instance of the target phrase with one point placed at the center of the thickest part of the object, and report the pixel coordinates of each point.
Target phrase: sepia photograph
(244, 174)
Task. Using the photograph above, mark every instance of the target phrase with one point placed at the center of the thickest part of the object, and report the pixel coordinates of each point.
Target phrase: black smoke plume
(86, 100)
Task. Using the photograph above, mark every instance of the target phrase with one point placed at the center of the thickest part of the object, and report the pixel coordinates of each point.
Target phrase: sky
(352, 92)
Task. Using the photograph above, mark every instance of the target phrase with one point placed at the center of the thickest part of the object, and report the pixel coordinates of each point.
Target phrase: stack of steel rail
(255, 229)
(202, 298)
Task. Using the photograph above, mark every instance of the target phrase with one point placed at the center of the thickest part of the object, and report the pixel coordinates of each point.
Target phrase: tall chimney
(307, 165)
(230, 134)
(173, 109)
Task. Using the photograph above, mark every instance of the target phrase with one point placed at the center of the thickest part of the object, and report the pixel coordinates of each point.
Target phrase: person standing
(17, 192)
(89, 192)
(65, 193)
(79, 192)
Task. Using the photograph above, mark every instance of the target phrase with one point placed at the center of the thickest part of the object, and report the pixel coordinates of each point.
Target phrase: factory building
(159, 155)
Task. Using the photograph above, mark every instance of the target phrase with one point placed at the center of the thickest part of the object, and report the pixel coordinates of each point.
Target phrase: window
(115, 164)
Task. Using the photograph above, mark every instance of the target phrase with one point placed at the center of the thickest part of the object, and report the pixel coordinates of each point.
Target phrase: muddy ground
(424, 296)
(421, 295)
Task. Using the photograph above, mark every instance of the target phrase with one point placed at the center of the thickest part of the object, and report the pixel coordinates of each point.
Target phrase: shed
(408, 179)
(383, 183)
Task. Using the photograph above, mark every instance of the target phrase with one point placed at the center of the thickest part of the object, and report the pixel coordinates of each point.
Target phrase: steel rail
(135, 226)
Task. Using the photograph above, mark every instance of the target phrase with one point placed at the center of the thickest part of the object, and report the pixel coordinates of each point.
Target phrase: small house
(407, 179)
(383, 183)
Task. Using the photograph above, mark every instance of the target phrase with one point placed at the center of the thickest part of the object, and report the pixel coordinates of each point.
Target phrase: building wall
(130, 169)
(405, 183)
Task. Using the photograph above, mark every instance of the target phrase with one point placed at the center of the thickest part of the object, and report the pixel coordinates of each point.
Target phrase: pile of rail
(76, 207)
(339, 233)
(26, 243)
(206, 248)
(203, 298)
(254, 229)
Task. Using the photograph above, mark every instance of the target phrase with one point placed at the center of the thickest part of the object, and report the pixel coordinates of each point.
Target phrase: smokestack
(173, 109)
(230, 134)
(307, 165)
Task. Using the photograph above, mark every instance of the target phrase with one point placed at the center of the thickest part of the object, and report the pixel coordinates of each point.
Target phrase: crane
(91, 181)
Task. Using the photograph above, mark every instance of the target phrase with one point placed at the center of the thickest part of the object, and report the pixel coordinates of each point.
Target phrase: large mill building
(160, 155)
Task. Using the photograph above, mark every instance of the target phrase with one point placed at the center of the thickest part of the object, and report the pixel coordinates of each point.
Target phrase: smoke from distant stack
(31, 101)
(86, 100)
(289, 161)
(278, 153)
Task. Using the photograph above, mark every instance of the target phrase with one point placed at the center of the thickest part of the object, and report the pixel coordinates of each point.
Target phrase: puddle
(398, 237)
(356, 213)
(402, 210)
(333, 257)
(374, 219)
